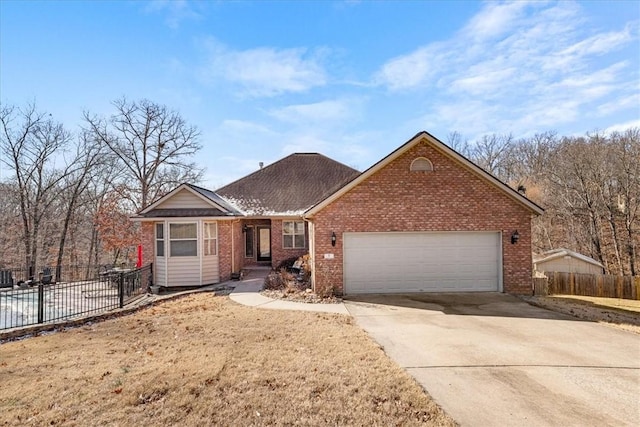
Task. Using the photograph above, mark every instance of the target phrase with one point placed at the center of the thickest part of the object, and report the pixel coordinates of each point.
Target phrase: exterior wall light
(333, 238)
(515, 236)
(245, 228)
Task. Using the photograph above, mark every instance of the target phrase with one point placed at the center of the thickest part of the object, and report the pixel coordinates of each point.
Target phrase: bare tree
(84, 166)
(153, 146)
(29, 141)
(493, 154)
(626, 149)
(454, 140)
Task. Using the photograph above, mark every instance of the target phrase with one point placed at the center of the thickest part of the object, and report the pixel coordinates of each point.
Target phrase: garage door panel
(417, 262)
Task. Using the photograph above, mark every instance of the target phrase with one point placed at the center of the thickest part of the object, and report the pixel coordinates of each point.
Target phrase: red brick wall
(224, 249)
(238, 246)
(147, 233)
(450, 198)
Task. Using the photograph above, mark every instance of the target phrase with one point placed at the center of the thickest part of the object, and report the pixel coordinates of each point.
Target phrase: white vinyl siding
(184, 199)
(160, 269)
(210, 272)
(422, 262)
(183, 271)
(193, 270)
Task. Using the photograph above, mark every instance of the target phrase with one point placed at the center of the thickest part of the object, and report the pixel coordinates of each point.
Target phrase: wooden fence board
(593, 285)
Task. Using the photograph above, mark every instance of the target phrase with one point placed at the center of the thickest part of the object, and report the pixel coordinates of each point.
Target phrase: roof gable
(289, 186)
(424, 137)
(561, 253)
(189, 200)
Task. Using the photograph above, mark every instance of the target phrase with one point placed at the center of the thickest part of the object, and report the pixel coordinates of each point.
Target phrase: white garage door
(421, 262)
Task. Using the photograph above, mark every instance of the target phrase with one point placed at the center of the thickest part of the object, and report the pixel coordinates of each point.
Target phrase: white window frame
(293, 235)
(206, 239)
(171, 239)
(158, 240)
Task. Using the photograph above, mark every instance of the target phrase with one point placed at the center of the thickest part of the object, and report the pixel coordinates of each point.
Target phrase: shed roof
(289, 186)
(561, 253)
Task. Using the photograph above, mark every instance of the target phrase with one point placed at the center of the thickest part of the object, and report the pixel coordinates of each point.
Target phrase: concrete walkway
(247, 292)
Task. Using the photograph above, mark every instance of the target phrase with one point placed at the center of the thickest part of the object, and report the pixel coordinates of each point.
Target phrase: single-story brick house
(424, 218)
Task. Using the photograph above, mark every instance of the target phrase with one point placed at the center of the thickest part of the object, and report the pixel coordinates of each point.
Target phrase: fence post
(121, 289)
(40, 303)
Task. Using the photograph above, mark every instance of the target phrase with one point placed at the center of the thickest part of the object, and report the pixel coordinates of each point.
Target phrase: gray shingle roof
(289, 186)
(214, 198)
(186, 213)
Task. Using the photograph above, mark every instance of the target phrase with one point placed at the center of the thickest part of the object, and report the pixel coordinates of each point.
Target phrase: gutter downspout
(312, 250)
(233, 251)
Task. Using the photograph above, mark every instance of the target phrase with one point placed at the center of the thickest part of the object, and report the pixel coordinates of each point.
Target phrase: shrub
(274, 281)
(287, 264)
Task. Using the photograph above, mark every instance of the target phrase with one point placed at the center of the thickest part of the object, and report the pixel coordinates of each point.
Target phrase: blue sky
(352, 80)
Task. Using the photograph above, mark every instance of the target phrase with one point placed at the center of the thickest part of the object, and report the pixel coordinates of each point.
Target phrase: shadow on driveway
(491, 359)
(466, 304)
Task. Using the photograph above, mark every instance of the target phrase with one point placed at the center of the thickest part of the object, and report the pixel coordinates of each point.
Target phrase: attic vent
(421, 164)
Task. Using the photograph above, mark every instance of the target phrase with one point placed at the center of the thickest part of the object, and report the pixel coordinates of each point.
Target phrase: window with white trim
(293, 234)
(183, 239)
(421, 164)
(160, 239)
(210, 238)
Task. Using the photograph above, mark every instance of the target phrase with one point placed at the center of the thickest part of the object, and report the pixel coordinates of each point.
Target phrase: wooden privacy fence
(590, 285)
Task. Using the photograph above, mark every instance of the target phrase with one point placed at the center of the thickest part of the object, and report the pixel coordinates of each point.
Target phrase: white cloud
(604, 75)
(484, 82)
(495, 19)
(176, 11)
(407, 71)
(621, 103)
(516, 67)
(305, 143)
(242, 127)
(324, 111)
(621, 127)
(600, 43)
(266, 71)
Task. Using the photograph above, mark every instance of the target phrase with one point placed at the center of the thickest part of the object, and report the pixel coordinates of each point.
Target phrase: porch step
(255, 271)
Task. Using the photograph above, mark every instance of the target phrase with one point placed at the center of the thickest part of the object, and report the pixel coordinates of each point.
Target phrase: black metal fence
(64, 273)
(49, 303)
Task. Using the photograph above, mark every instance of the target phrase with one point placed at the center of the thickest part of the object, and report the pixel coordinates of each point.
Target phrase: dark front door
(264, 243)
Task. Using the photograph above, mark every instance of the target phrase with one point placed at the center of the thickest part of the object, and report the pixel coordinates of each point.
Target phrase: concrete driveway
(490, 359)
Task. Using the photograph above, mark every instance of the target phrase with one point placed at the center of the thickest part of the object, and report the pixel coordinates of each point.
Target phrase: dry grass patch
(614, 303)
(204, 360)
(621, 313)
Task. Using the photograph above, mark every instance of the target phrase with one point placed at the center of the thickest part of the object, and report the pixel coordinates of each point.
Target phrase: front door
(264, 243)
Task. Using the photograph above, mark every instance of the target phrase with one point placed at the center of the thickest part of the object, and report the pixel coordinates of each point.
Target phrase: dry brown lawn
(204, 360)
(620, 313)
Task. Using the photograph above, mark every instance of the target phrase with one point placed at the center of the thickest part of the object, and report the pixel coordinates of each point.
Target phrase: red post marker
(139, 263)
